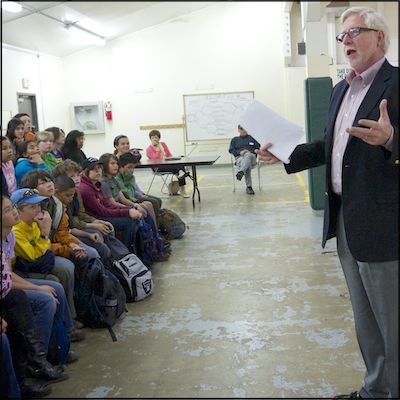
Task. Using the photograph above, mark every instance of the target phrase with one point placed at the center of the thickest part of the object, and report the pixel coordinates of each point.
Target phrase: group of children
(59, 211)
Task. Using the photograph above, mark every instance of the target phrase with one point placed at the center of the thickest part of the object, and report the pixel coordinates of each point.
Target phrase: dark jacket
(370, 176)
(239, 143)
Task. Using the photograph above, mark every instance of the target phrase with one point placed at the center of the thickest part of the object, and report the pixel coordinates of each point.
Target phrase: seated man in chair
(243, 148)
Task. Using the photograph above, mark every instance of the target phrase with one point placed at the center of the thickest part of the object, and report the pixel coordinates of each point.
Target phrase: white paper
(268, 127)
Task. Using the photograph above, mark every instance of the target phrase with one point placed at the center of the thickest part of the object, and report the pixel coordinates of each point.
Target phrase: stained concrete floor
(249, 305)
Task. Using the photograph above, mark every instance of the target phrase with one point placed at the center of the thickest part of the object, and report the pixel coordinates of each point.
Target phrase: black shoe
(352, 395)
(249, 190)
(35, 391)
(47, 372)
(239, 175)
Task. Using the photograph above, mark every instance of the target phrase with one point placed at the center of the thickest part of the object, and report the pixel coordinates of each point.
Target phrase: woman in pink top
(159, 150)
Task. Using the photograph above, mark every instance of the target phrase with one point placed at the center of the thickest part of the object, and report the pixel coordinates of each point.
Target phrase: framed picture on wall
(88, 117)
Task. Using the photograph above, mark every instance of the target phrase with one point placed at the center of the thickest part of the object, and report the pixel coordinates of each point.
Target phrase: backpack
(149, 246)
(59, 343)
(99, 297)
(133, 276)
(171, 224)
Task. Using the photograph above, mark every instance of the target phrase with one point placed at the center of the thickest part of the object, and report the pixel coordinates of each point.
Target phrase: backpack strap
(56, 219)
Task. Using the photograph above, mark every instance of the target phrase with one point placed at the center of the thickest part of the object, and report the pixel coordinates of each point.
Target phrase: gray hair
(372, 19)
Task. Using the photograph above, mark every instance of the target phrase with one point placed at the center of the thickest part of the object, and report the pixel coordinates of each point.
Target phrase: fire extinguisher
(108, 108)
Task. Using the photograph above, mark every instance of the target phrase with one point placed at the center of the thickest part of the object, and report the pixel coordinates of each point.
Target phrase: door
(27, 105)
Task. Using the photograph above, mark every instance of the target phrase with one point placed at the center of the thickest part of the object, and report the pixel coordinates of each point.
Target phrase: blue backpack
(149, 246)
(99, 298)
(59, 344)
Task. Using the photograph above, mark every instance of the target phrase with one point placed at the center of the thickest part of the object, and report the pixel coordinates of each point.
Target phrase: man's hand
(43, 220)
(50, 290)
(376, 132)
(243, 152)
(265, 156)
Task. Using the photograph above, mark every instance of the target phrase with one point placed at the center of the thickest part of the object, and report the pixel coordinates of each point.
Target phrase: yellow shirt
(29, 245)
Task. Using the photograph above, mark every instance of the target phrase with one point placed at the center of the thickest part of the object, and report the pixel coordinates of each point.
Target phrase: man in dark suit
(360, 150)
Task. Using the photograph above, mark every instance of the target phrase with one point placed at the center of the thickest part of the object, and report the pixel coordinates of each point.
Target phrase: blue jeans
(9, 388)
(64, 270)
(101, 247)
(126, 227)
(90, 250)
(39, 299)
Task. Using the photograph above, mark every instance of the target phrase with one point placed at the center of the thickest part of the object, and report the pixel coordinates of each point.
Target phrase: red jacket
(97, 203)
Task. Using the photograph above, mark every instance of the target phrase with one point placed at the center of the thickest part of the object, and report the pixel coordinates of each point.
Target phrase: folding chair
(233, 165)
(165, 176)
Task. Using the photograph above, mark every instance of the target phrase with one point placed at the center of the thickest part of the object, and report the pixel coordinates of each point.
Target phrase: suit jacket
(370, 175)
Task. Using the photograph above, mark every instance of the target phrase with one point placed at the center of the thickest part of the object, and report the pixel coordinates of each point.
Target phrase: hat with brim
(91, 162)
(26, 196)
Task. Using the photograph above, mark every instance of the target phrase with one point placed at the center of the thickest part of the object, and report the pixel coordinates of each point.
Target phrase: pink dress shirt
(358, 88)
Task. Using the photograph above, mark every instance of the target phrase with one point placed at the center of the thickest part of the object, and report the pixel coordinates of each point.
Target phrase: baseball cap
(26, 196)
(90, 163)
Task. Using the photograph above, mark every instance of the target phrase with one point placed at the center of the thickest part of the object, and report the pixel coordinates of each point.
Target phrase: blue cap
(26, 196)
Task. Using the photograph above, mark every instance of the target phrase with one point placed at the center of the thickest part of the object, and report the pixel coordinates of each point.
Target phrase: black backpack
(99, 298)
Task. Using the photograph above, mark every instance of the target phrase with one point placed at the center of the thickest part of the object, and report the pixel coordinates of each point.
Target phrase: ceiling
(40, 25)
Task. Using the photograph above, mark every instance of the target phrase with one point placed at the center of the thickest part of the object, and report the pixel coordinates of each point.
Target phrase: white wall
(46, 80)
(226, 47)
(230, 46)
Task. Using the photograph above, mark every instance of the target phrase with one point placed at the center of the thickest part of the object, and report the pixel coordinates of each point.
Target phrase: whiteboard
(214, 116)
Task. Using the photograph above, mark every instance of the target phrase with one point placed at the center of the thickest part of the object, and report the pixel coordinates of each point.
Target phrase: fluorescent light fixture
(11, 6)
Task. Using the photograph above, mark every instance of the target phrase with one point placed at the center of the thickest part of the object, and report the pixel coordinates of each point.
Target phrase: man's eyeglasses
(352, 33)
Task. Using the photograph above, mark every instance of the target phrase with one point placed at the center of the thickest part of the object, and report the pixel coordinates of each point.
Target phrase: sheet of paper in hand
(268, 127)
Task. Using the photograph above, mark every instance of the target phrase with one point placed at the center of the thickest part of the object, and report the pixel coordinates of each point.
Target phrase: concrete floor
(249, 305)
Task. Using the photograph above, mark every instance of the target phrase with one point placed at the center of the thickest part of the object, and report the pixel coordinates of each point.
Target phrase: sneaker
(249, 190)
(239, 175)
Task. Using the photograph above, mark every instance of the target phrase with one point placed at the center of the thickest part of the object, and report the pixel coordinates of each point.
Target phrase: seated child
(45, 142)
(112, 186)
(42, 293)
(7, 167)
(28, 159)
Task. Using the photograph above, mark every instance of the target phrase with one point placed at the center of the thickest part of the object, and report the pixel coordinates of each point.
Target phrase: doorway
(27, 105)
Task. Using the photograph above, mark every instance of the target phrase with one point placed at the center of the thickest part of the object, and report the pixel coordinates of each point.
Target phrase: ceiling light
(11, 6)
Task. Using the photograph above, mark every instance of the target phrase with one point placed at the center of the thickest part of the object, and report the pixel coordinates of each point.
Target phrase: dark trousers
(374, 295)
(8, 385)
(16, 311)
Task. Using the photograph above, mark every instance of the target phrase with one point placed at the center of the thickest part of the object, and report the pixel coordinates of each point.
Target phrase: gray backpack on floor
(171, 224)
(133, 276)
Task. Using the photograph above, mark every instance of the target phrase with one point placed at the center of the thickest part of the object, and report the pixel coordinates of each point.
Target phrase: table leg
(195, 186)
